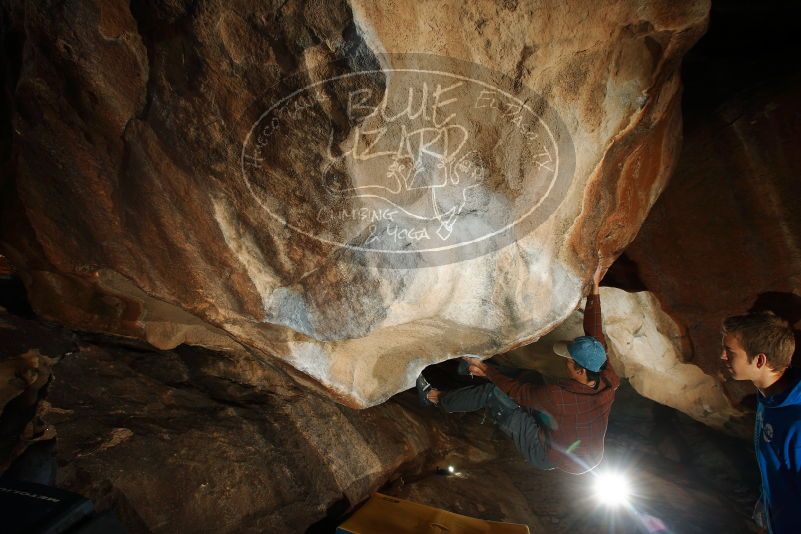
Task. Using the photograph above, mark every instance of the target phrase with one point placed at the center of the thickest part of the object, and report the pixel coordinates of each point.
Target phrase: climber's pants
(521, 427)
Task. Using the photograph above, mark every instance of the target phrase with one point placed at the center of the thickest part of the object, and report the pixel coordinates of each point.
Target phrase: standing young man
(559, 425)
(759, 347)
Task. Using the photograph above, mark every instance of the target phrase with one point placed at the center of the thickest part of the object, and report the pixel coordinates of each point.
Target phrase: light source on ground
(451, 469)
(612, 489)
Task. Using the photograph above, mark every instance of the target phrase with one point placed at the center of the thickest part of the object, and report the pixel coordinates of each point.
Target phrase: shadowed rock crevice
(624, 274)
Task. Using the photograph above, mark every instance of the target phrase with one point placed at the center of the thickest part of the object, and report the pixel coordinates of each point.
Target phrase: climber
(553, 425)
(759, 347)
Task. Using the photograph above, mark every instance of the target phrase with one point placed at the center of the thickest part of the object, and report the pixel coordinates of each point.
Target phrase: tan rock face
(651, 351)
(224, 177)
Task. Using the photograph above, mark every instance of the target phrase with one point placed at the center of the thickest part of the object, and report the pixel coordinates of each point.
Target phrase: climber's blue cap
(585, 350)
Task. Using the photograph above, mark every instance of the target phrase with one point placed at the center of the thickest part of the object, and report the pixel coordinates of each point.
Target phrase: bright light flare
(451, 469)
(612, 489)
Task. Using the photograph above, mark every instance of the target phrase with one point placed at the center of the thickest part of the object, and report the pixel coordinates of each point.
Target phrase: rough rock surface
(179, 450)
(647, 347)
(132, 134)
(188, 441)
(738, 181)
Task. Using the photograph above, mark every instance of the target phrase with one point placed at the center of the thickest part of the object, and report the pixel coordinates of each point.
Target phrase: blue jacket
(777, 441)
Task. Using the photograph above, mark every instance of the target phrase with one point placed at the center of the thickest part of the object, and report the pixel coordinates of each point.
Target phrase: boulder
(353, 189)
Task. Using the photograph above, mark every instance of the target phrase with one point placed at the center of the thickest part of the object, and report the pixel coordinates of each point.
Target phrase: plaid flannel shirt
(577, 415)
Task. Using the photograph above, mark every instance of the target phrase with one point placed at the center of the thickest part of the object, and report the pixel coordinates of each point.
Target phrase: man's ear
(761, 360)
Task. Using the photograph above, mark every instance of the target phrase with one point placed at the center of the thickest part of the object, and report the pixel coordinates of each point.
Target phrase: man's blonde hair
(766, 333)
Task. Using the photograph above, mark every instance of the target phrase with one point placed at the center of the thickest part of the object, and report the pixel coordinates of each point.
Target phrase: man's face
(734, 357)
(573, 371)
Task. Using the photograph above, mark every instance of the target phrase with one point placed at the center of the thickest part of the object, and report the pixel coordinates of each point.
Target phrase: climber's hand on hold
(597, 277)
(476, 367)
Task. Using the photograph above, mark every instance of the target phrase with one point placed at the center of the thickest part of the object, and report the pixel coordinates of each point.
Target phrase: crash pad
(384, 514)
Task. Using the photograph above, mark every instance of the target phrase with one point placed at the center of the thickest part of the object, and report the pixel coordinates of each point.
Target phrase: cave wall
(737, 180)
(725, 236)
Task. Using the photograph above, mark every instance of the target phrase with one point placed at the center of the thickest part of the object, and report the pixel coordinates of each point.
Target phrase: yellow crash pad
(387, 515)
